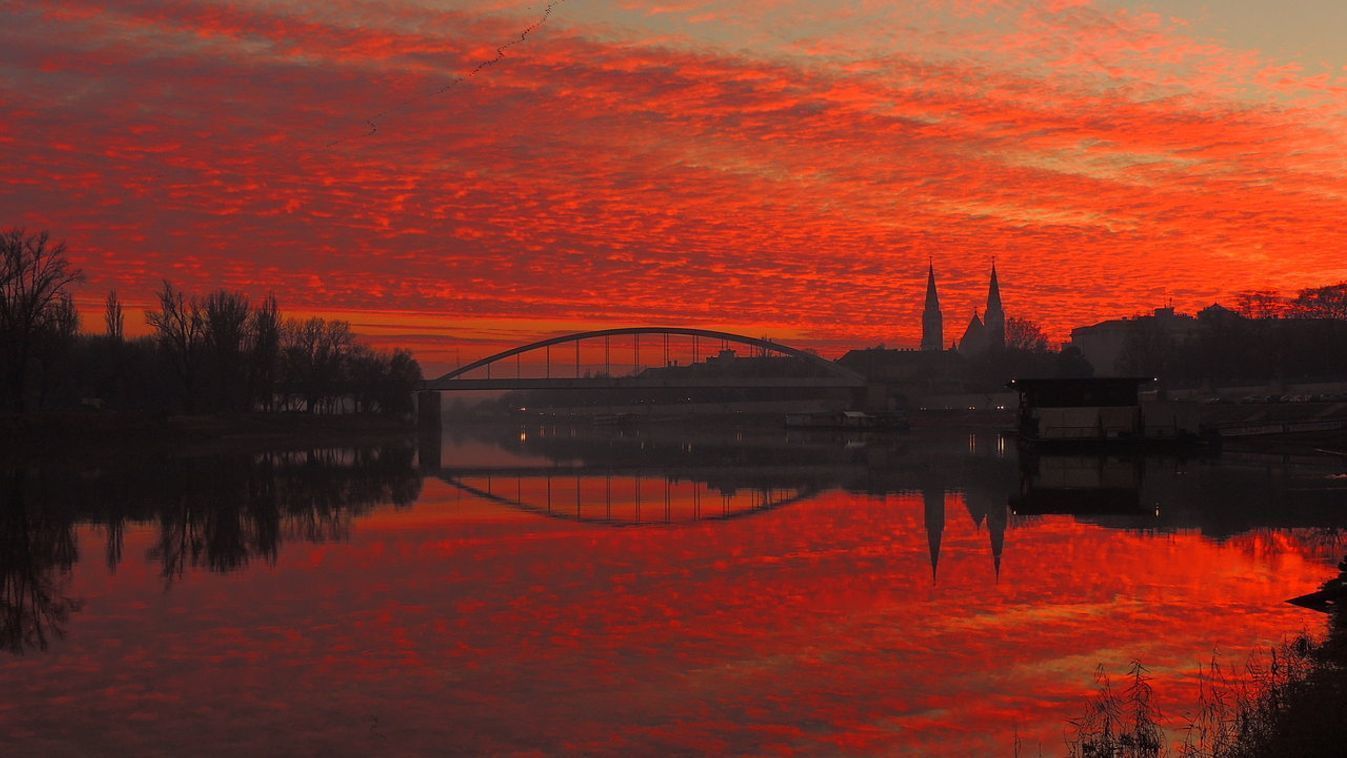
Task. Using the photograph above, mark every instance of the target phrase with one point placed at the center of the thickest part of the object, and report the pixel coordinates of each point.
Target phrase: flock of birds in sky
(373, 121)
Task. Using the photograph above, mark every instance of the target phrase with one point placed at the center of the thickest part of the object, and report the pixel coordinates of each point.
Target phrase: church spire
(932, 322)
(995, 315)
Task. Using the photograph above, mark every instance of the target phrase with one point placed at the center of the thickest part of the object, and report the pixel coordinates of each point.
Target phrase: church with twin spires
(982, 333)
(938, 368)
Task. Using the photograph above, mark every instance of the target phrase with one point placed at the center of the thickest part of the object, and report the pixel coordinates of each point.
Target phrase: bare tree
(180, 331)
(225, 316)
(53, 346)
(1023, 334)
(264, 331)
(380, 381)
(112, 316)
(1260, 304)
(315, 353)
(64, 319)
(1322, 302)
(35, 277)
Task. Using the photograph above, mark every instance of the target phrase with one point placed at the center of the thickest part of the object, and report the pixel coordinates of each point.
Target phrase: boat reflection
(1079, 484)
(1217, 496)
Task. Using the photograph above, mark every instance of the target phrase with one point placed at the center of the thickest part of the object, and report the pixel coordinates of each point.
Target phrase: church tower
(932, 323)
(994, 317)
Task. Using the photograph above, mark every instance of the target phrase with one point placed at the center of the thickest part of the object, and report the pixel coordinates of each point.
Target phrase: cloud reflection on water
(339, 601)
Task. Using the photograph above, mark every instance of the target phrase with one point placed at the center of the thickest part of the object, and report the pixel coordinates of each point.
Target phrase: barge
(1104, 411)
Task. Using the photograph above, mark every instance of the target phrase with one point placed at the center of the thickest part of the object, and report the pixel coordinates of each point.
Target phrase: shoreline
(111, 434)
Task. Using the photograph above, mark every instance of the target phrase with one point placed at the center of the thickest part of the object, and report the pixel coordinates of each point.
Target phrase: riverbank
(1289, 700)
(1304, 715)
(45, 435)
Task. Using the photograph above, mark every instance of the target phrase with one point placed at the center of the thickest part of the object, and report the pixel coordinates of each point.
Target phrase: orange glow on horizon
(625, 167)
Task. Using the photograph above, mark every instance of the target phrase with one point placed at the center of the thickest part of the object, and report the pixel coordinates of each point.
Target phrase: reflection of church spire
(975, 510)
(987, 508)
(996, 524)
(934, 498)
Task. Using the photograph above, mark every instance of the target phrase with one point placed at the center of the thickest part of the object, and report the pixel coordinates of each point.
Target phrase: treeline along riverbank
(215, 353)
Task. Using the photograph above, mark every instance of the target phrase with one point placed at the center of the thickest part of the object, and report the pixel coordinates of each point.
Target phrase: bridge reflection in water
(662, 477)
(229, 512)
(620, 498)
(668, 476)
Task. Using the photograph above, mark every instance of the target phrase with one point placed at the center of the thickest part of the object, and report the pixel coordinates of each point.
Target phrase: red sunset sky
(772, 167)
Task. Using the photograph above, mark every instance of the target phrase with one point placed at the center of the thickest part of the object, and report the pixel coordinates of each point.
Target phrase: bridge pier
(428, 430)
(428, 410)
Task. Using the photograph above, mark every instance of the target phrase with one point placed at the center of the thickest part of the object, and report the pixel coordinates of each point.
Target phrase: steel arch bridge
(829, 375)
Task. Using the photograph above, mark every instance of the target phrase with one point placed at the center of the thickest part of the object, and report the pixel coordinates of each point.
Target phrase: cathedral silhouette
(981, 334)
(962, 374)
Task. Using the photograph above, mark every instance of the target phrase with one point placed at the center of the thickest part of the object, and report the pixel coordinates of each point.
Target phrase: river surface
(656, 590)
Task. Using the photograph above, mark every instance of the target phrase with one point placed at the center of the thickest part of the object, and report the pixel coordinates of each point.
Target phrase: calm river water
(548, 589)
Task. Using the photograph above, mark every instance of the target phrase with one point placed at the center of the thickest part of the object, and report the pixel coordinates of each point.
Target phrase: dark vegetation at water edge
(110, 437)
(213, 353)
(1290, 701)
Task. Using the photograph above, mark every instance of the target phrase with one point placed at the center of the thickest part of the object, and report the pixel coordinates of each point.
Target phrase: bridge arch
(842, 375)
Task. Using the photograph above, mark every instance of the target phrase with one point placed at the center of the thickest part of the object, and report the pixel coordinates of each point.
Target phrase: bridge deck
(595, 383)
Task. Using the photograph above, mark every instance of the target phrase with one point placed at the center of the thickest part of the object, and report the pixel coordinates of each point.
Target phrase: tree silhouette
(1321, 302)
(265, 331)
(35, 278)
(1260, 304)
(314, 354)
(180, 331)
(112, 316)
(225, 316)
(1023, 334)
